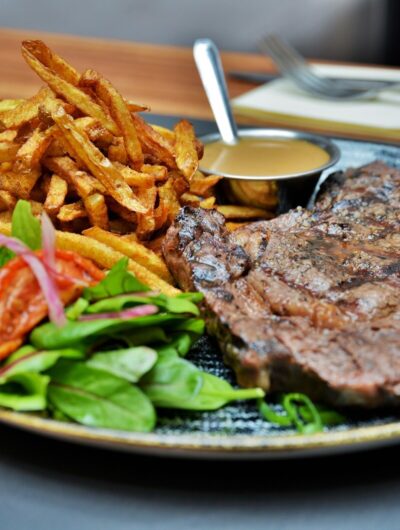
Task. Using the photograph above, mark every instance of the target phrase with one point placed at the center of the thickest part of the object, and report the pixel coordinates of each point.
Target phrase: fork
(293, 66)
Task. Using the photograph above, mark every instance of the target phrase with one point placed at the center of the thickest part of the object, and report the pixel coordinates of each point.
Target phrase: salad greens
(114, 372)
(120, 356)
(143, 354)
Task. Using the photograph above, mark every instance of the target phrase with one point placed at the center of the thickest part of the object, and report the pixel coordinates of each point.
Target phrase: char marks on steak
(309, 301)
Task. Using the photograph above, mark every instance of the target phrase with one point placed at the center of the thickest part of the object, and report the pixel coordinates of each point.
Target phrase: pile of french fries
(80, 151)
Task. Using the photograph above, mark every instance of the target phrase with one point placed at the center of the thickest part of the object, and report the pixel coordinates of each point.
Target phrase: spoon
(208, 62)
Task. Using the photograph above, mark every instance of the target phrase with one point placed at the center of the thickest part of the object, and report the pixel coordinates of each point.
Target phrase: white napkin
(281, 101)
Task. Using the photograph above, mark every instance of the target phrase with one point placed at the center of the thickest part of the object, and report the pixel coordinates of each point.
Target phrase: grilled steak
(309, 301)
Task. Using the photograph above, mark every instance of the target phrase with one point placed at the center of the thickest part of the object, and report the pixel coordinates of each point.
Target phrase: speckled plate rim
(203, 445)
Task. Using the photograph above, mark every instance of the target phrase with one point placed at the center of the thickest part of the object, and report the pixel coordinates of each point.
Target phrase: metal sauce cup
(294, 189)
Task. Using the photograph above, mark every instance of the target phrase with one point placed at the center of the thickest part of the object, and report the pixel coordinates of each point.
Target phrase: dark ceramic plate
(236, 431)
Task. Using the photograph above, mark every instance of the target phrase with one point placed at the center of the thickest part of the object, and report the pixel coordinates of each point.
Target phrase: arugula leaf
(27, 359)
(49, 337)
(24, 391)
(118, 281)
(172, 381)
(5, 255)
(25, 226)
(129, 364)
(216, 392)
(98, 399)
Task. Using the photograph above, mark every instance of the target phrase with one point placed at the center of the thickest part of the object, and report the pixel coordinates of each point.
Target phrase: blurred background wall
(333, 29)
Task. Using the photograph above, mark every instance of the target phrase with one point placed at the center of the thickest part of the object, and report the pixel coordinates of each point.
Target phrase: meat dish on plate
(308, 301)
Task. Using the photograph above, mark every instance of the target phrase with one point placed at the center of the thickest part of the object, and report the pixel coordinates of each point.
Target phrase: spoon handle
(208, 63)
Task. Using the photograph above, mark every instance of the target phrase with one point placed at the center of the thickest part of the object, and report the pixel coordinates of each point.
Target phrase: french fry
(167, 133)
(30, 153)
(83, 183)
(133, 250)
(36, 207)
(120, 226)
(26, 111)
(19, 184)
(154, 143)
(125, 214)
(179, 182)
(234, 226)
(243, 212)
(8, 150)
(185, 149)
(80, 147)
(167, 194)
(8, 136)
(5, 222)
(71, 212)
(96, 132)
(121, 115)
(208, 203)
(201, 185)
(9, 104)
(262, 193)
(160, 215)
(105, 257)
(96, 208)
(69, 92)
(146, 223)
(135, 178)
(137, 107)
(54, 62)
(7, 201)
(56, 194)
(190, 199)
(55, 149)
(160, 173)
(117, 151)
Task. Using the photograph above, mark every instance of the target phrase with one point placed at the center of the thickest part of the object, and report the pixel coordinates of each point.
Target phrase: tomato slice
(22, 304)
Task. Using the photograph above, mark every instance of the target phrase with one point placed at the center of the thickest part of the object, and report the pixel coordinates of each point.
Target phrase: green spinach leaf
(172, 381)
(25, 226)
(98, 399)
(24, 391)
(118, 281)
(129, 364)
(50, 337)
(28, 359)
(216, 392)
(123, 301)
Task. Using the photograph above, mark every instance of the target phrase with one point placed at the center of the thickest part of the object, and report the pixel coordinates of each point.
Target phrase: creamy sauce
(257, 157)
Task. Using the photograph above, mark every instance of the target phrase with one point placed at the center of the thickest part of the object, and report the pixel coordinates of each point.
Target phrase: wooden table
(164, 77)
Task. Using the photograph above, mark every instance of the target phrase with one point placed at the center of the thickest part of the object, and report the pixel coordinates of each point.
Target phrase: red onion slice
(45, 281)
(48, 242)
(132, 312)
